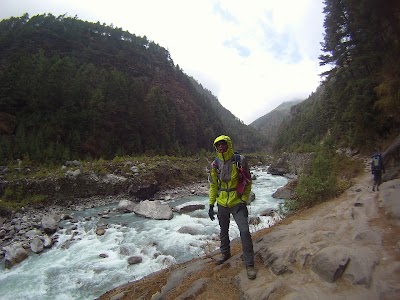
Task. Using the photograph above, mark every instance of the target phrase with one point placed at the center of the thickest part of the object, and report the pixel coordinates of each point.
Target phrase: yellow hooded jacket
(224, 178)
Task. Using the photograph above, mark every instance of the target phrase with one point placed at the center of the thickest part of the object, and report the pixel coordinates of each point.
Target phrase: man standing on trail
(230, 187)
(377, 168)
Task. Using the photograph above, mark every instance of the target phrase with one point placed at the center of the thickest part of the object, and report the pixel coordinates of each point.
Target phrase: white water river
(76, 270)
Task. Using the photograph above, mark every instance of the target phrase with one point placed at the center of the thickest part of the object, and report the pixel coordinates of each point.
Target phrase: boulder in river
(153, 210)
(14, 255)
(49, 224)
(37, 245)
(188, 207)
(126, 206)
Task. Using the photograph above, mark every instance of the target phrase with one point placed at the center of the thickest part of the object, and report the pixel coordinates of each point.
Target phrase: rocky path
(347, 248)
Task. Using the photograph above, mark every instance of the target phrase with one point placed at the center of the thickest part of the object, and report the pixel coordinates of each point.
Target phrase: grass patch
(14, 205)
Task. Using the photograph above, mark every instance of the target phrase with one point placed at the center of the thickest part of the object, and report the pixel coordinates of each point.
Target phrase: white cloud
(252, 55)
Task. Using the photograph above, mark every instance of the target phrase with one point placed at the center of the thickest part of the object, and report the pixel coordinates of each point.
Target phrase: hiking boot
(222, 259)
(377, 188)
(251, 272)
(373, 188)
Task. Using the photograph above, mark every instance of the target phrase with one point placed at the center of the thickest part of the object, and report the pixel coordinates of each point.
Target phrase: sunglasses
(220, 143)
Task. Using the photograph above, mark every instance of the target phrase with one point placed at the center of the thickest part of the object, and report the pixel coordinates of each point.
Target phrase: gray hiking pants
(240, 214)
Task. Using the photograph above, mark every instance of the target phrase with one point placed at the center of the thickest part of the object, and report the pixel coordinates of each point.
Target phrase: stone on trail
(330, 262)
(361, 266)
(195, 289)
(390, 195)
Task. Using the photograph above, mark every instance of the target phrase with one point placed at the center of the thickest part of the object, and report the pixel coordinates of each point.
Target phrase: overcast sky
(252, 55)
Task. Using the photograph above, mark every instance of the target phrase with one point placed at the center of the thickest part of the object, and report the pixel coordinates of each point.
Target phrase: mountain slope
(71, 89)
(357, 104)
(269, 124)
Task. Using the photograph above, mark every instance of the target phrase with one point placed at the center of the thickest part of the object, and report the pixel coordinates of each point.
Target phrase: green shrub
(33, 200)
(15, 201)
(329, 175)
(14, 193)
(9, 205)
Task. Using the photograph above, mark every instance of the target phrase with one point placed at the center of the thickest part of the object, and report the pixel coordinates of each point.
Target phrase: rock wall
(291, 163)
(391, 158)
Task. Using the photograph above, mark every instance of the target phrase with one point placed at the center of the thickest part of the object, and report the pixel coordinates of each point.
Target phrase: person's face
(222, 146)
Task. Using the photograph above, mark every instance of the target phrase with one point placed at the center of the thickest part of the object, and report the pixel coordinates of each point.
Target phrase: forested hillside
(358, 103)
(71, 89)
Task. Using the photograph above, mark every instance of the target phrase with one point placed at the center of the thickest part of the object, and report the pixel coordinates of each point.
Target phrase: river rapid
(90, 265)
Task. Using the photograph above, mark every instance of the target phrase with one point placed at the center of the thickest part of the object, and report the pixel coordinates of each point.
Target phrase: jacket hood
(229, 154)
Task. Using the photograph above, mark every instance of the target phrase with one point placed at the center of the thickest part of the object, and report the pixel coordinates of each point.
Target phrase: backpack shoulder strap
(215, 163)
(238, 160)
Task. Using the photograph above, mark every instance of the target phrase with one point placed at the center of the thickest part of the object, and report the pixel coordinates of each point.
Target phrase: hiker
(377, 168)
(230, 187)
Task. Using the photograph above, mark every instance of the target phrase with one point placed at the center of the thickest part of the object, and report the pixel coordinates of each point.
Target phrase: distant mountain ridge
(268, 125)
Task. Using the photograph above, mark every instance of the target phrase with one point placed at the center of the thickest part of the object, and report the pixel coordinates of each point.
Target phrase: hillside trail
(354, 221)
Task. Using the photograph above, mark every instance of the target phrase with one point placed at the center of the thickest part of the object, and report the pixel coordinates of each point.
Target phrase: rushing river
(77, 271)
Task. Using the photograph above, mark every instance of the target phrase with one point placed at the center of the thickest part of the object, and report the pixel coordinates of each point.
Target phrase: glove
(211, 212)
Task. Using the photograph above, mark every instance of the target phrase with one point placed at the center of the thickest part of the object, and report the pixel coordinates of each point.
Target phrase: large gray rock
(153, 210)
(287, 191)
(55, 216)
(37, 245)
(361, 266)
(188, 207)
(195, 289)
(390, 195)
(283, 193)
(133, 260)
(330, 262)
(33, 233)
(14, 255)
(47, 242)
(49, 224)
(178, 276)
(126, 206)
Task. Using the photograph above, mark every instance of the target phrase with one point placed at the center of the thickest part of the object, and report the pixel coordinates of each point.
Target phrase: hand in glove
(211, 212)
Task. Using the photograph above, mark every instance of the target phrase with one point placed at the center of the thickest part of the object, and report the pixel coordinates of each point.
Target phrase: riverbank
(347, 248)
(26, 225)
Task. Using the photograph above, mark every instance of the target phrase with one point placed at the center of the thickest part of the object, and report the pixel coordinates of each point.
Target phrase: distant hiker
(377, 168)
(230, 187)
